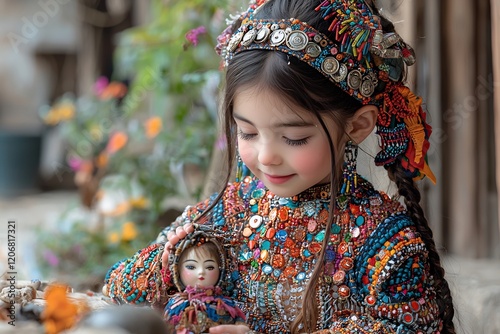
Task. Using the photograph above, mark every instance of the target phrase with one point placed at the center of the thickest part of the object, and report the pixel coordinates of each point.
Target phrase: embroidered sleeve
(392, 271)
(395, 286)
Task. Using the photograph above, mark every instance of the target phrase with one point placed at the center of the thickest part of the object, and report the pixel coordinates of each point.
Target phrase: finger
(170, 234)
(174, 240)
(164, 257)
(181, 233)
(229, 329)
(189, 228)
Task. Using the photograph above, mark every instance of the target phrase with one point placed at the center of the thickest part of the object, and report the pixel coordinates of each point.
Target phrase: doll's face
(199, 269)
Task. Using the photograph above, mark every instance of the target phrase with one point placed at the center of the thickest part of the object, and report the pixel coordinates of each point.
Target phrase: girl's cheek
(246, 153)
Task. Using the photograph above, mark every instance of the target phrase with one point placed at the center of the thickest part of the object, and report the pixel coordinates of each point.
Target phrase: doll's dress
(196, 309)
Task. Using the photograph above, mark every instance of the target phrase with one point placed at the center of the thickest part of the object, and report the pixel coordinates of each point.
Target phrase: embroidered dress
(376, 277)
(196, 309)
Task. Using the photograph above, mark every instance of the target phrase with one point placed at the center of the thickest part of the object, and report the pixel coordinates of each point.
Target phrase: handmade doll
(196, 268)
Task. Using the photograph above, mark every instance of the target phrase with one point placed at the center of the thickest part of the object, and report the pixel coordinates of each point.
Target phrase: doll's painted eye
(210, 268)
(189, 267)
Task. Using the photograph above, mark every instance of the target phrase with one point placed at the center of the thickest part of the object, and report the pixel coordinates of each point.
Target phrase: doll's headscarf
(359, 58)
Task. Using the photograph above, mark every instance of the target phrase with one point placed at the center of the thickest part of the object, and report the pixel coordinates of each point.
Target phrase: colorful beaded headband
(300, 40)
(361, 60)
(198, 238)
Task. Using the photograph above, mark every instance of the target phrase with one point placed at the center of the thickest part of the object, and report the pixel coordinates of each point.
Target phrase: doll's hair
(302, 85)
(208, 249)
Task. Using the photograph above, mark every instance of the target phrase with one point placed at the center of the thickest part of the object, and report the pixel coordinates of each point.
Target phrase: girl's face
(199, 269)
(283, 146)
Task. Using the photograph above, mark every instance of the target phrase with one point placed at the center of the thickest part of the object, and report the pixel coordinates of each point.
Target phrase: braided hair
(408, 189)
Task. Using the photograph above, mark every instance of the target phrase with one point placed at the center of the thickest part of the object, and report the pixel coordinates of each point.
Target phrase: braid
(408, 189)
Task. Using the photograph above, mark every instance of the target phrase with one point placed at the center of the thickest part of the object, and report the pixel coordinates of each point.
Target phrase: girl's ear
(362, 123)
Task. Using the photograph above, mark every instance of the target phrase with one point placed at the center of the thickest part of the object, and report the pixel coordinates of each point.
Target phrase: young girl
(314, 248)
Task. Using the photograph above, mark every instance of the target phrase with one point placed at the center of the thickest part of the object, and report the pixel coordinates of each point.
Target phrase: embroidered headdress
(359, 58)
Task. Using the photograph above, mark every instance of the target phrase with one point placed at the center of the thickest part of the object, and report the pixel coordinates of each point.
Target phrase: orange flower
(139, 202)
(113, 90)
(61, 112)
(117, 141)
(113, 237)
(102, 160)
(129, 231)
(153, 126)
(119, 210)
(60, 313)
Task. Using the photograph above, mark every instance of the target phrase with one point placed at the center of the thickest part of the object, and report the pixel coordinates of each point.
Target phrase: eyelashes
(288, 141)
(296, 142)
(245, 136)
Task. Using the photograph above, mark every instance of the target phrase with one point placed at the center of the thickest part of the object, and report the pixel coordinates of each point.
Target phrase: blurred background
(108, 128)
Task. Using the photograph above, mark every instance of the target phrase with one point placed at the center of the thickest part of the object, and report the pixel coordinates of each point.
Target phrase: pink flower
(75, 163)
(192, 35)
(100, 85)
(51, 258)
(221, 143)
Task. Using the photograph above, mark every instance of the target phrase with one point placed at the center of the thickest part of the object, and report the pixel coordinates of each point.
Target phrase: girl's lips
(278, 179)
(201, 278)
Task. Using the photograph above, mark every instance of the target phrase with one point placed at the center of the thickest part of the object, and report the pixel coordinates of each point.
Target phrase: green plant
(126, 144)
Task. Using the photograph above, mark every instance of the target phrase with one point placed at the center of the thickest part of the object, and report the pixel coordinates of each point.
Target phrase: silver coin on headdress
(341, 73)
(367, 88)
(249, 37)
(234, 41)
(262, 34)
(330, 65)
(354, 79)
(278, 37)
(313, 49)
(297, 40)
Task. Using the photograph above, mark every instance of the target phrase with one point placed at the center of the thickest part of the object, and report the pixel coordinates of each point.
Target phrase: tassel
(417, 134)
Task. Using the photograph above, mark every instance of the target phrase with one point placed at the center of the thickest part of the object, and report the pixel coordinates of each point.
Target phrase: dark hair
(305, 87)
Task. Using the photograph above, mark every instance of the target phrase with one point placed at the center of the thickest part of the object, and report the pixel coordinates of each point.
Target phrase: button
(330, 65)
(297, 40)
(339, 277)
(278, 37)
(354, 79)
(255, 221)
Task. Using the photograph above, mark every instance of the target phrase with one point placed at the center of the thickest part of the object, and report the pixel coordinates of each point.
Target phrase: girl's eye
(245, 136)
(210, 268)
(189, 267)
(296, 142)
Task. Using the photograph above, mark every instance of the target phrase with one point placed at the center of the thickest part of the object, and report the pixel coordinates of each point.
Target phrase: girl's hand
(230, 329)
(173, 238)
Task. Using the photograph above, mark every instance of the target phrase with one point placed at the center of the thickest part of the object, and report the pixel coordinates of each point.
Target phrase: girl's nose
(268, 155)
